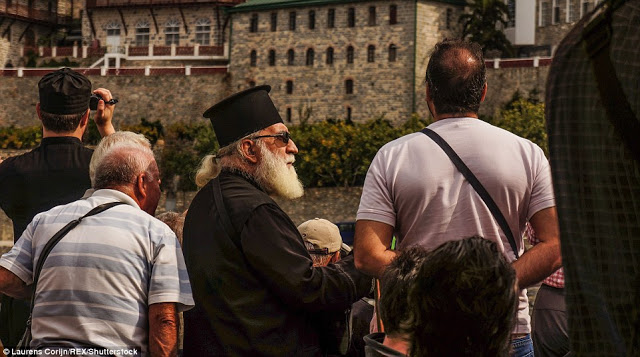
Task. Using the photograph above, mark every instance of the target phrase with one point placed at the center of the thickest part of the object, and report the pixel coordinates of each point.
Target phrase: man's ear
(249, 151)
(85, 119)
(38, 111)
(484, 92)
(140, 188)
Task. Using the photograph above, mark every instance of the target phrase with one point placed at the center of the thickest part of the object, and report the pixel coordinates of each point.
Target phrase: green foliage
(20, 138)
(483, 25)
(525, 118)
(151, 130)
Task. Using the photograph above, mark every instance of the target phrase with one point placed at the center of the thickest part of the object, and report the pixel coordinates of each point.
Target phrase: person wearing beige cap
(322, 239)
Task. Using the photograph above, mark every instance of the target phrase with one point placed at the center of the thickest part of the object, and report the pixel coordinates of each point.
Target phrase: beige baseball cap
(322, 234)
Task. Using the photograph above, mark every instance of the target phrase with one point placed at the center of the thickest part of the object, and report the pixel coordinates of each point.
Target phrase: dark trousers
(13, 320)
(549, 324)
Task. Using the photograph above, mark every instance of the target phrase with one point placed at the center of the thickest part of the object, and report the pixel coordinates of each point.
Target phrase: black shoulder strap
(597, 39)
(222, 212)
(56, 238)
(473, 180)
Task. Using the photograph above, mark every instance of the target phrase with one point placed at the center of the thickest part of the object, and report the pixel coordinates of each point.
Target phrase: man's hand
(544, 258)
(372, 247)
(12, 286)
(104, 113)
(163, 329)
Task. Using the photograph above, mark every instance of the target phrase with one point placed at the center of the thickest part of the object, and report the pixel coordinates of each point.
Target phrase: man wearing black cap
(55, 173)
(253, 280)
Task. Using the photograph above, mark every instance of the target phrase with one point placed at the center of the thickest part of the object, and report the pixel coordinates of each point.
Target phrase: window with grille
(203, 31)
(312, 20)
(371, 53)
(348, 86)
(310, 55)
(272, 57)
(289, 87)
(253, 58)
(331, 18)
(372, 15)
(511, 13)
(291, 56)
(274, 21)
(350, 54)
(573, 12)
(292, 21)
(113, 28)
(330, 55)
(545, 14)
(172, 32)
(393, 14)
(351, 17)
(142, 33)
(253, 26)
(392, 52)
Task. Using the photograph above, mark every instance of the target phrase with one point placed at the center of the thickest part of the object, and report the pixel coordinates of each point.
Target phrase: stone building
(27, 23)
(354, 60)
(144, 24)
(536, 28)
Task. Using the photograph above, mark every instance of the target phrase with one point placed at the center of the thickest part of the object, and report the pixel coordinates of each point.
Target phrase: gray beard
(276, 177)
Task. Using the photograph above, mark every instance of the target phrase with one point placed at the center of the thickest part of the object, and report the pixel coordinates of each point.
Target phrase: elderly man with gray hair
(116, 280)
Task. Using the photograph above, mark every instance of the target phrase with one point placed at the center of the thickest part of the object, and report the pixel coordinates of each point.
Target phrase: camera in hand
(95, 98)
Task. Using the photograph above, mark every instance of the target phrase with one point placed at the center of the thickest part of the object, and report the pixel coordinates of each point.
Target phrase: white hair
(121, 163)
(107, 142)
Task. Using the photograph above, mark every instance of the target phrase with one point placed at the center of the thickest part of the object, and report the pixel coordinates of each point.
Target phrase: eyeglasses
(284, 137)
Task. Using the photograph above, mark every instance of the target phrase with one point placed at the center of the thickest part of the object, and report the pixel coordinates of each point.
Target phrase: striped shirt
(98, 281)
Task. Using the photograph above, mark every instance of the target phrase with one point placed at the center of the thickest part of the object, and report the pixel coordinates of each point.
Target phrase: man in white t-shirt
(414, 192)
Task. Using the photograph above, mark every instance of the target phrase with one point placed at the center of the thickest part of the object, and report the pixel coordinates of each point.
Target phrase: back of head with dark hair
(463, 302)
(61, 123)
(396, 281)
(456, 75)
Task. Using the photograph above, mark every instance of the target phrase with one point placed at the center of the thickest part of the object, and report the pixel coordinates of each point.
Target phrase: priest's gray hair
(226, 157)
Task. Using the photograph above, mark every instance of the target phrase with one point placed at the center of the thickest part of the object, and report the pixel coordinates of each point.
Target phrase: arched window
(113, 28)
(172, 32)
(142, 33)
(253, 25)
(291, 57)
(289, 87)
(330, 55)
(203, 31)
(371, 53)
(253, 58)
(350, 54)
(348, 86)
(392, 52)
(272, 57)
(310, 55)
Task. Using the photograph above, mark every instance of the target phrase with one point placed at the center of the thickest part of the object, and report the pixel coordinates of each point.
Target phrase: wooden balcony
(29, 14)
(96, 4)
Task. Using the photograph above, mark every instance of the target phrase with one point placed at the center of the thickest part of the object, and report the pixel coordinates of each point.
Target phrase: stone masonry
(381, 88)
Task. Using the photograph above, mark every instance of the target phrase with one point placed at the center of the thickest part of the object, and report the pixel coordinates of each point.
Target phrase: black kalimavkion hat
(64, 91)
(242, 114)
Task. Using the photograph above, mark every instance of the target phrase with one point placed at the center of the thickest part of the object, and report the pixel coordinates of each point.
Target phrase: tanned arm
(544, 258)
(12, 286)
(163, 329)
(372, 247)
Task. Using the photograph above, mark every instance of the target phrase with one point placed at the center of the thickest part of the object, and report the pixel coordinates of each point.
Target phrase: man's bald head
(456, 76)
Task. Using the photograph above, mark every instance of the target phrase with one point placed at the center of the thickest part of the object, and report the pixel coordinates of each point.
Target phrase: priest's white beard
(275, 176)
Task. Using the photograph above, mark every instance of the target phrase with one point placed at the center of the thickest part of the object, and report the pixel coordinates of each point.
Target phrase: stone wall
(502, 83)
(169, 98)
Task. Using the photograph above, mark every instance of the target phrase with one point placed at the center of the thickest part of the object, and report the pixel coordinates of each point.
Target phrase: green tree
(524, 118)
(483, 25)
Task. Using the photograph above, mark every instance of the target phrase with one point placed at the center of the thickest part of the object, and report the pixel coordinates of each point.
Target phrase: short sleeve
(542, 195)
(169, 278)
(19, 260)
(376, 203)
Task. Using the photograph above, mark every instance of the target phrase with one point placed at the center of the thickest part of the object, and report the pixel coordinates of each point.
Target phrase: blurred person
(397, 280)
(255, 285)
(54, 173)
(322, 239)
(413, 190)
(175, 221)
(463, 301)
(122, 257)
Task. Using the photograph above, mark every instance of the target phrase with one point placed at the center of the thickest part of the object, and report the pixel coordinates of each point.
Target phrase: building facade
(353, 60)
(30, 22)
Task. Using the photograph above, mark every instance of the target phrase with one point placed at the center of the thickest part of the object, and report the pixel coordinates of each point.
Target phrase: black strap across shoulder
(475, 183)
(56, 238)
(222, 212)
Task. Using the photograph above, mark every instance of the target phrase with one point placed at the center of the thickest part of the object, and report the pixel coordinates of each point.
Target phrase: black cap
(64, 91)
(242, 114)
